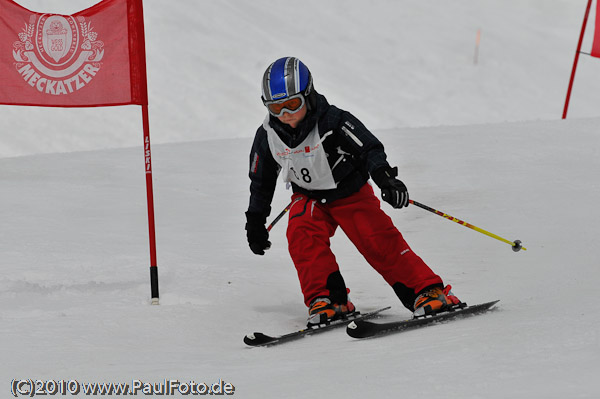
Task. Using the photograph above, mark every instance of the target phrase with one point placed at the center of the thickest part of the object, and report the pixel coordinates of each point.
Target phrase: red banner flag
(95, 57)
(596, 43)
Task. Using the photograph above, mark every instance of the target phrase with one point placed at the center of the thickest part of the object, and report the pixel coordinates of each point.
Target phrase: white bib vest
(305, 165)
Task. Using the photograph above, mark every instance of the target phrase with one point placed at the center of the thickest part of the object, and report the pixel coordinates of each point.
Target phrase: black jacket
(353, 153)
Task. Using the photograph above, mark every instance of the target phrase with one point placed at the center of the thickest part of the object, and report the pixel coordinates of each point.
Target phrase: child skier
(327, 155)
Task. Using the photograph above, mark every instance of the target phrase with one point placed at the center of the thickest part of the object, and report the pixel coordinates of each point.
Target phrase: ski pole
(287, 208)
(516, 245)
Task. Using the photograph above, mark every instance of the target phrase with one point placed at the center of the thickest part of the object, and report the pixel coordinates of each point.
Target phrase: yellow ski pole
(285, 210)
(516, 245)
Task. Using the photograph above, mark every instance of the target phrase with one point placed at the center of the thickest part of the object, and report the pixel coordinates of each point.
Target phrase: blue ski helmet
(284, 78)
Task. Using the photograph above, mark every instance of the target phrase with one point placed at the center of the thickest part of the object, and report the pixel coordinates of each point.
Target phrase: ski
(366, 329)
(260, 339)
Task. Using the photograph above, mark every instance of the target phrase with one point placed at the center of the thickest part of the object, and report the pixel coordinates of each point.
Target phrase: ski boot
(322, 311)
(435, 300)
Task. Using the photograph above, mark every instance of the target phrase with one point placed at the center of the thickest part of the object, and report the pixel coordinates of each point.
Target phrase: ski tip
(257, 339)
(358, 328)
(250, 339)
(492, 303)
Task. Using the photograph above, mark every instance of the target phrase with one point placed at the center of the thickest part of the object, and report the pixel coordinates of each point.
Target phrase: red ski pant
(312, 224)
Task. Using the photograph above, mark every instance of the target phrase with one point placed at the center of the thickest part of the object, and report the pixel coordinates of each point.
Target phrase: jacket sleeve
(263, 175)
(369, 149)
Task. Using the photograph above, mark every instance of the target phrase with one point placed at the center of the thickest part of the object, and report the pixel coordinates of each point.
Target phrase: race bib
(305, 165)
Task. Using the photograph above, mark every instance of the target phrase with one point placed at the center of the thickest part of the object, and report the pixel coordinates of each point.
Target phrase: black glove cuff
(382, 176)
(255, 219)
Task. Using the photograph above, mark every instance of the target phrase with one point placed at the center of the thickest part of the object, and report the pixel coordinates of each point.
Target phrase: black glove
(256, 232)
(393, 191)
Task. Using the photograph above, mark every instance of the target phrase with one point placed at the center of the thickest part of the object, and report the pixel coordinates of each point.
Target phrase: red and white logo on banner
(56, 54)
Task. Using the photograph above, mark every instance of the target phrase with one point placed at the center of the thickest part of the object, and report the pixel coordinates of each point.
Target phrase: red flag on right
(596, 43)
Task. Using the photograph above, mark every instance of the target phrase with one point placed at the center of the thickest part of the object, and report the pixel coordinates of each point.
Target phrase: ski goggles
(291, 105)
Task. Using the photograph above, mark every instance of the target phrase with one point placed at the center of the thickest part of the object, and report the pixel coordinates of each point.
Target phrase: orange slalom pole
(477, 40)
(516, 245)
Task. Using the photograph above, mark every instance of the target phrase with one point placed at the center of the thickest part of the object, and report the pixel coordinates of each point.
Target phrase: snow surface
(483, 142)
